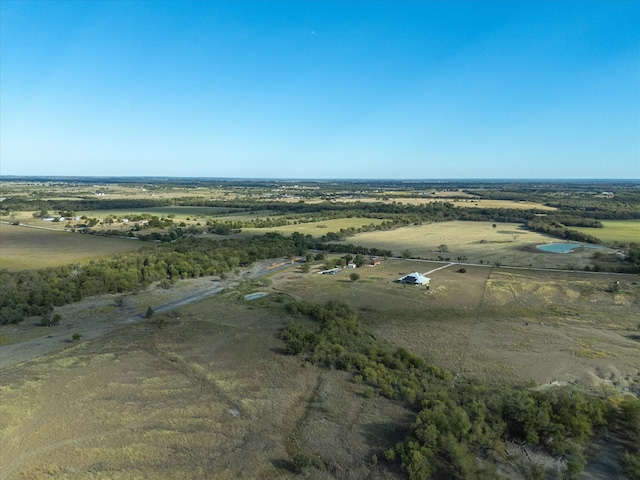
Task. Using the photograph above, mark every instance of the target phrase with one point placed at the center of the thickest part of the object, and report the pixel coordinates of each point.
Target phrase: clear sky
(330, 89)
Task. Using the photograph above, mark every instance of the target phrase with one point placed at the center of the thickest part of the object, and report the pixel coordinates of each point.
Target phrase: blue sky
(332, 89)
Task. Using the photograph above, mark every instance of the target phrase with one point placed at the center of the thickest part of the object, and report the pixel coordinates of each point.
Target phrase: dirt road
(96, 316)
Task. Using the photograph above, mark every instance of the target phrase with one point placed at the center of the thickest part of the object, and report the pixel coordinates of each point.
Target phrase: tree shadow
(381, 434)
(284, 464)
(278, 350)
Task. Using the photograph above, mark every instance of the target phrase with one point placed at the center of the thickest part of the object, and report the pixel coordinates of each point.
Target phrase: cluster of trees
(557, 229)
(456, 422)
(36, 292)
(21, 203)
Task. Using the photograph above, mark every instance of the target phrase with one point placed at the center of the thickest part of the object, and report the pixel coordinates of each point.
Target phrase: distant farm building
(414, 279)
(333, 271)
(372, 261)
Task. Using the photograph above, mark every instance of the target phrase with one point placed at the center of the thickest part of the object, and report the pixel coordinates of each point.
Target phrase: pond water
(565, 247)
(254, 296)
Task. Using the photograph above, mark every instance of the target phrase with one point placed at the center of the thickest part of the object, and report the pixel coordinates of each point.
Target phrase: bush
(462, 270)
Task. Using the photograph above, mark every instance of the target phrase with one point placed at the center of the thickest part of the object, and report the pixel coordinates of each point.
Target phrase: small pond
(565, 247)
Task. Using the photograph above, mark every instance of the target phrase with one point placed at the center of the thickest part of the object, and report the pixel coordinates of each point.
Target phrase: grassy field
(204, 391)
(622, 231)
(508, 244)
(317, 229)
(28, 248)
(496, 324)
(180, 213)
(466, 202)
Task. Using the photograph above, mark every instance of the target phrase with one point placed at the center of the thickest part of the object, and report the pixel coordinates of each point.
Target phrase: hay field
(203, 392)
(30, 248)
(622, 231)
(508, 243)
(317, 229)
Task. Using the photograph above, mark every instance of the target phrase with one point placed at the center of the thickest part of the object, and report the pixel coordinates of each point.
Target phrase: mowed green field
(31, 248)
(622, 231)
(317, 229)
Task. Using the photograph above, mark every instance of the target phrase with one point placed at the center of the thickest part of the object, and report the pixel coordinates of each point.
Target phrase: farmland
(205, 390)
(317, 229)
(620, 231)
(139, 383)
(479, 242)
(27, 248)
(459, 200)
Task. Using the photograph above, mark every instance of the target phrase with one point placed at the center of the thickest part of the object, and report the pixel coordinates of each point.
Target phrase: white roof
(417, 278)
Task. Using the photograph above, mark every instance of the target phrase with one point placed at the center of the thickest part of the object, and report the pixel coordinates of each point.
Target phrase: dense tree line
(557, 229)
(457, 422)
(36, 292)
(13, 204)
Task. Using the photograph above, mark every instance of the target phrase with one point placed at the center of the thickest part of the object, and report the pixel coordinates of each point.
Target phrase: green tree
(149, 312)
(354, 277)
(575, 461)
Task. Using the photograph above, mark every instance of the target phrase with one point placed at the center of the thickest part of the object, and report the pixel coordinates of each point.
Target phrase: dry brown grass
(452, 197)
(507, 243)
(496, 324)
(28, 248)
(203, 392)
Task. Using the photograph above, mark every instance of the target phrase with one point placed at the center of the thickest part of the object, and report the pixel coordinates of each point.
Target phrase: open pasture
(30, 248)
(507, 243)
(180, 213)
(458, 202)
(202, 392)
(621, 231)
(495, 323)
(317, 229)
